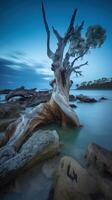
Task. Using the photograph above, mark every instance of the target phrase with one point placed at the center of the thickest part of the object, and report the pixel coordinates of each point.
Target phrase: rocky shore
(39, 159)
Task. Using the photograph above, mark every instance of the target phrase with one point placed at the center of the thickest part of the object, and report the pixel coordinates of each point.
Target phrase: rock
(72, 97)
(100, 166)
(105, 186)
(103, 98)
(40, 146)
(85, 99)
(100, 158)
(73, 181)
(73, 105)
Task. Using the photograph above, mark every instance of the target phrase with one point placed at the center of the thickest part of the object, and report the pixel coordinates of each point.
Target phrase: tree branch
(71, 27)
(67, 37)
(49, 52)
(59, 38)
(81, 26)
(80, 56)
(74, 69)
(78, 73)
(77, 67)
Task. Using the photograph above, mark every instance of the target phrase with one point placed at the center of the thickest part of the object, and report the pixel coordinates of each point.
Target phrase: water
(96, 119)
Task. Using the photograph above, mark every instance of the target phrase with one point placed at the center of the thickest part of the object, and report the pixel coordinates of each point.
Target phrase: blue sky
(23, 59)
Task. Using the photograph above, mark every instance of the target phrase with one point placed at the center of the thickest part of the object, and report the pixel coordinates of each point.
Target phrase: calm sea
(96, 119)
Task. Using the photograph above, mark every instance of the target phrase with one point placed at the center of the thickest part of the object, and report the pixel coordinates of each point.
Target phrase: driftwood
(28, 97)
(34, 97)
(6, 91)
(25, 93)
(40, 146)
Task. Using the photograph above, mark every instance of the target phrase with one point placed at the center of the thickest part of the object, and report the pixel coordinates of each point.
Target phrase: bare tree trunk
(58, 108)
(60, 96)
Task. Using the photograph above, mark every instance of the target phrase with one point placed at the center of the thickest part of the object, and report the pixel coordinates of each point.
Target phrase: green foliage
(94, 37)
(77, 44)
(102, 83)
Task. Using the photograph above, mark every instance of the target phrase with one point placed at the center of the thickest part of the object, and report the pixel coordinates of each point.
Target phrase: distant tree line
(103, 83)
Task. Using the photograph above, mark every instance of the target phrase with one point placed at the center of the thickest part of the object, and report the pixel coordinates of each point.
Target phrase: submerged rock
(85, 99)
(102, 98)
(73, 105)
(72, 97)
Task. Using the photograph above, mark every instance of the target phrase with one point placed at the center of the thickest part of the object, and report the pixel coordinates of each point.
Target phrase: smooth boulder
(73, 181)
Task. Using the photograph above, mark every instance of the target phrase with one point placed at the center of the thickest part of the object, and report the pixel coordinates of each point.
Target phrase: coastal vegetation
(102, 83)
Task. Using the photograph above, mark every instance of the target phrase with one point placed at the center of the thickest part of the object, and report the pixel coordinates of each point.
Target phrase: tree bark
(57, 109)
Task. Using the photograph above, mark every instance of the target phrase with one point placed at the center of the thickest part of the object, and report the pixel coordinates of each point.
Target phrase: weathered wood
(40, 146)
(6, 91)
(28, 97)
(22, 92)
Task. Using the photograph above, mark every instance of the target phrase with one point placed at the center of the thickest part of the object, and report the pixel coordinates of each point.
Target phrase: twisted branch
(49, 52)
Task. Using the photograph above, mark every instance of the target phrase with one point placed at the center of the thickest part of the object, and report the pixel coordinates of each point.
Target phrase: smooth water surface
(96, 119)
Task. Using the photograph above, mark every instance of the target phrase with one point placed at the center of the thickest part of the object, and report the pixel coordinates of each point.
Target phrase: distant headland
(103, 83)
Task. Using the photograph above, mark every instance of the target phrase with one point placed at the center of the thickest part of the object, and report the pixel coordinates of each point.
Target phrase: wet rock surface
(81, 183)
(85, 99)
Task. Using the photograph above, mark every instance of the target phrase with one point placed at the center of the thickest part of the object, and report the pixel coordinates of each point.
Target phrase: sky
(23, 58)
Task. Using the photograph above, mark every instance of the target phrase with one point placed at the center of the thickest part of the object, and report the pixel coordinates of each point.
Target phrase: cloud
(47, 78)
(44, 71)
(23, 70)
(20, 61)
